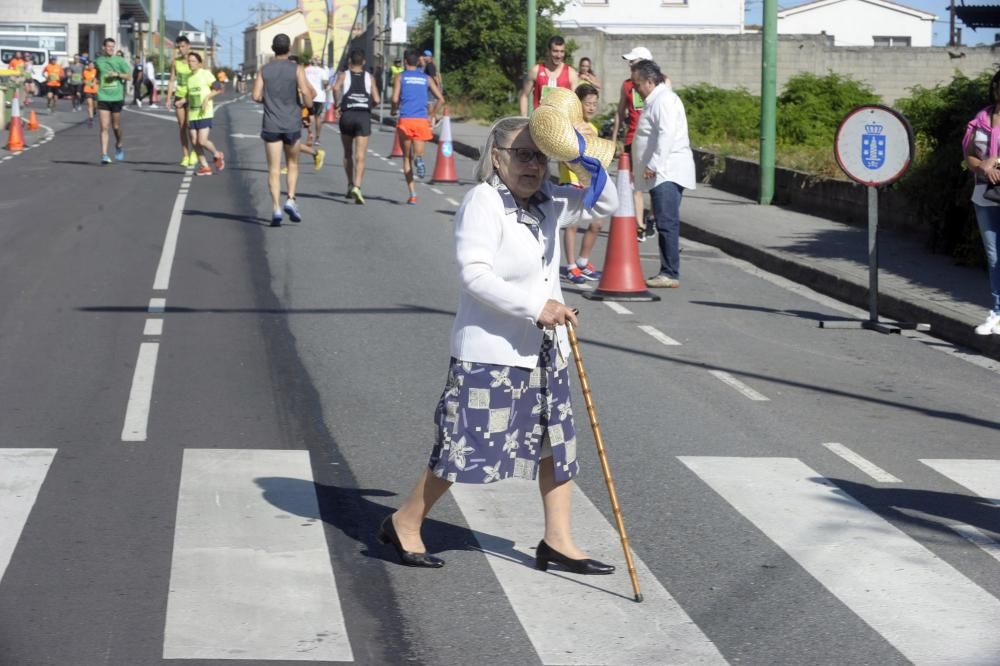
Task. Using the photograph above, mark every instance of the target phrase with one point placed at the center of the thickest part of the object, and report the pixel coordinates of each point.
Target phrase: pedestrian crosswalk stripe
(22, 472)
(251, 575)
(574, 619)
(923, 606)
(862, 463)
(980, 476)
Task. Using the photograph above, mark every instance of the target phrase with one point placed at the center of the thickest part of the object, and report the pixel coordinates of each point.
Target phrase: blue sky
(232, 16)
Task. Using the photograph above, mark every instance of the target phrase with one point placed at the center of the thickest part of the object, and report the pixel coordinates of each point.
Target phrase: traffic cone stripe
(15, 138)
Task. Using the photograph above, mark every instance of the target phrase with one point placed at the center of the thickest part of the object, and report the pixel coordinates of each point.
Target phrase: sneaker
(276, 217)
(120, 154)
(662, 282)
(990, 326)
(203, 170)
(105, 159)
(293, 211)
(220, 161)
(138, 103)
(575, 275)
(358, 197)
(284, 170)
(318, 159)
(412, 201)
(90, 122)
(418, 164)
(590, 272)
(186, 160)
(192, 159)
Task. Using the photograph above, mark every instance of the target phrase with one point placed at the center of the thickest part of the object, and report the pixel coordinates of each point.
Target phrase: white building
(653, 17)
(860, 22)
(68, 27)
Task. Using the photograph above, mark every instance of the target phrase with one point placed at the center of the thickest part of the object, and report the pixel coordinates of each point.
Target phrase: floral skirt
(494, 421)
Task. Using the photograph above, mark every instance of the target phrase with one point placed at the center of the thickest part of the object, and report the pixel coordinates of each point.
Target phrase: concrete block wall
(733, 61)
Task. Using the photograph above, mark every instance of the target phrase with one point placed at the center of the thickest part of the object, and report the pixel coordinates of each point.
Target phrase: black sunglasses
(525, 155)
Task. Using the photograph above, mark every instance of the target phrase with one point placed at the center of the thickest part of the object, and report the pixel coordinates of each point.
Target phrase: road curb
(892, 304)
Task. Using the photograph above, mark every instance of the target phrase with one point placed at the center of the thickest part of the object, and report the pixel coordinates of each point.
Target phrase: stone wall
(733, 61)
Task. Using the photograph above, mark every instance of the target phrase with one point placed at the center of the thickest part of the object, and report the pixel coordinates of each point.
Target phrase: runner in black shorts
(355, 92)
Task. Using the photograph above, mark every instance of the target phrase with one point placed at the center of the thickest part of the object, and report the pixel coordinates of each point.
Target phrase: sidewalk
(829, 257)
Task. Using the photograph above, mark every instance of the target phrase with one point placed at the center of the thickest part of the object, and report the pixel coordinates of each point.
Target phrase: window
(881, 40)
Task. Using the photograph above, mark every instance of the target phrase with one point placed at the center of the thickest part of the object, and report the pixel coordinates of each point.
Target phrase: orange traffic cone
(397, 148)
(444, 166)
(622, 278)
(15, 139)
(32, 121)
(331, 112)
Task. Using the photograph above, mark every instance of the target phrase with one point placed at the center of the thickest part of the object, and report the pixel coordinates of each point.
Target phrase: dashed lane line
(731, 381)
(862, 463)
(658, 335)
(617, 307)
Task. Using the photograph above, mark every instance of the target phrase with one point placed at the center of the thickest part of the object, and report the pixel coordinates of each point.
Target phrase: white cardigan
(507, 275)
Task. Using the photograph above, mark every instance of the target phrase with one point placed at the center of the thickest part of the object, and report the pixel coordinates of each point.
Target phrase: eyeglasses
(526, 155)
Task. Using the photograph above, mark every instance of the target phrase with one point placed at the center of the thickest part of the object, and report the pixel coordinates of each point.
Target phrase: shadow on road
(802, 314)
(928, 509)
(218, 215)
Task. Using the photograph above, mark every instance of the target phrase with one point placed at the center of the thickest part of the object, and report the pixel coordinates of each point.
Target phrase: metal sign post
(874, 147)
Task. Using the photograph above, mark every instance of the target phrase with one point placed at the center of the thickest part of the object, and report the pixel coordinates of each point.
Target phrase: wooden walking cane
(585, 387)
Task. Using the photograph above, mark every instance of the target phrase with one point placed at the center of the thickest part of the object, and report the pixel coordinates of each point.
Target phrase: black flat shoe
(545, 554)
(387, 535)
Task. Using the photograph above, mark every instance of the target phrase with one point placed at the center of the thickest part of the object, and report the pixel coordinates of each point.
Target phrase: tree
(483, 43)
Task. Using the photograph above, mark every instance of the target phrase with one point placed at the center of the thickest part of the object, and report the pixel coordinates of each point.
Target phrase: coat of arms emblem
(873, 146)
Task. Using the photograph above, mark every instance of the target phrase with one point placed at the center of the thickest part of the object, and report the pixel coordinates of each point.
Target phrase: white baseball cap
(638, 53)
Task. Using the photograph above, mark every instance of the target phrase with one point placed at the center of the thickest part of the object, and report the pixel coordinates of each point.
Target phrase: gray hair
(501, 133)
(648, 71)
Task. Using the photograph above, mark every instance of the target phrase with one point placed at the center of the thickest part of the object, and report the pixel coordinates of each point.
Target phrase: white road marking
(154, 327)
(918, 602)
(162, 280)
(141, 394)
(573, 619)
(658, 335)
(22, 472)
(977, 538)
(738, 385)
(251, 576)
(436, 190)
(862, 463)
(453, 202)
(980, 476)
(157, 306)
(373, 153)
(617, 307)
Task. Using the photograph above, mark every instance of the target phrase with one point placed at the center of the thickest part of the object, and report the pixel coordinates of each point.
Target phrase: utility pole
(530, 53)
(215, 60)
(163, 28)
(231, 65)
(951, 23)
(437, 45)
(768, 101)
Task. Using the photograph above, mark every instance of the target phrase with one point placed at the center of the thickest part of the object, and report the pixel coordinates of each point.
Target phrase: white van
(39, 58)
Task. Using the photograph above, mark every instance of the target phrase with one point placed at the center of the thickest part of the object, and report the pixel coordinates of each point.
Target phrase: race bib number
(638, 103)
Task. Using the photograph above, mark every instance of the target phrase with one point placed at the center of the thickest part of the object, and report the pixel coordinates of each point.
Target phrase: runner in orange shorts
(409, 99)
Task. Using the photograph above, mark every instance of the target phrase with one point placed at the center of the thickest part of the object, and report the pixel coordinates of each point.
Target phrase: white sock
(582, 262)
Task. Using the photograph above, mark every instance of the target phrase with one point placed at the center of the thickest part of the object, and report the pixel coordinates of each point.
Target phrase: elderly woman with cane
(505, 410)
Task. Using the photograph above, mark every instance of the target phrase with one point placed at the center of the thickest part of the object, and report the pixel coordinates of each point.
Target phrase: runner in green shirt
(201, 88)
(112, 73)
(180, 70)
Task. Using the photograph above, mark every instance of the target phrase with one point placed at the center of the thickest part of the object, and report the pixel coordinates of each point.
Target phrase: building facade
(860, 22)
(651, 17)
(68, 27)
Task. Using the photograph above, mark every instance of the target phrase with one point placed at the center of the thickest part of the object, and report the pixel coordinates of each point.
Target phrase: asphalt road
(230, 515)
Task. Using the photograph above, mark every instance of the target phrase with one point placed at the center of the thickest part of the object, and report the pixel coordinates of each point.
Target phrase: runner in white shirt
(318, 77)
(151, 81)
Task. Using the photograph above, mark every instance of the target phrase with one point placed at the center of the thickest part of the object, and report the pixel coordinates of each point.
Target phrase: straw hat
(553, 128)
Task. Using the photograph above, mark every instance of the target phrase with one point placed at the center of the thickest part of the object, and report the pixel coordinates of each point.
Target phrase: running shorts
(317, 109)
(287, 138)
(356, 123)
(113, 107)
(204, 123)
(88, 95)
(415, 129)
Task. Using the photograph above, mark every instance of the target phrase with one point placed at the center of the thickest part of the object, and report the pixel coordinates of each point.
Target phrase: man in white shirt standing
(151, 82)
(662, 163)
(318, 77)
